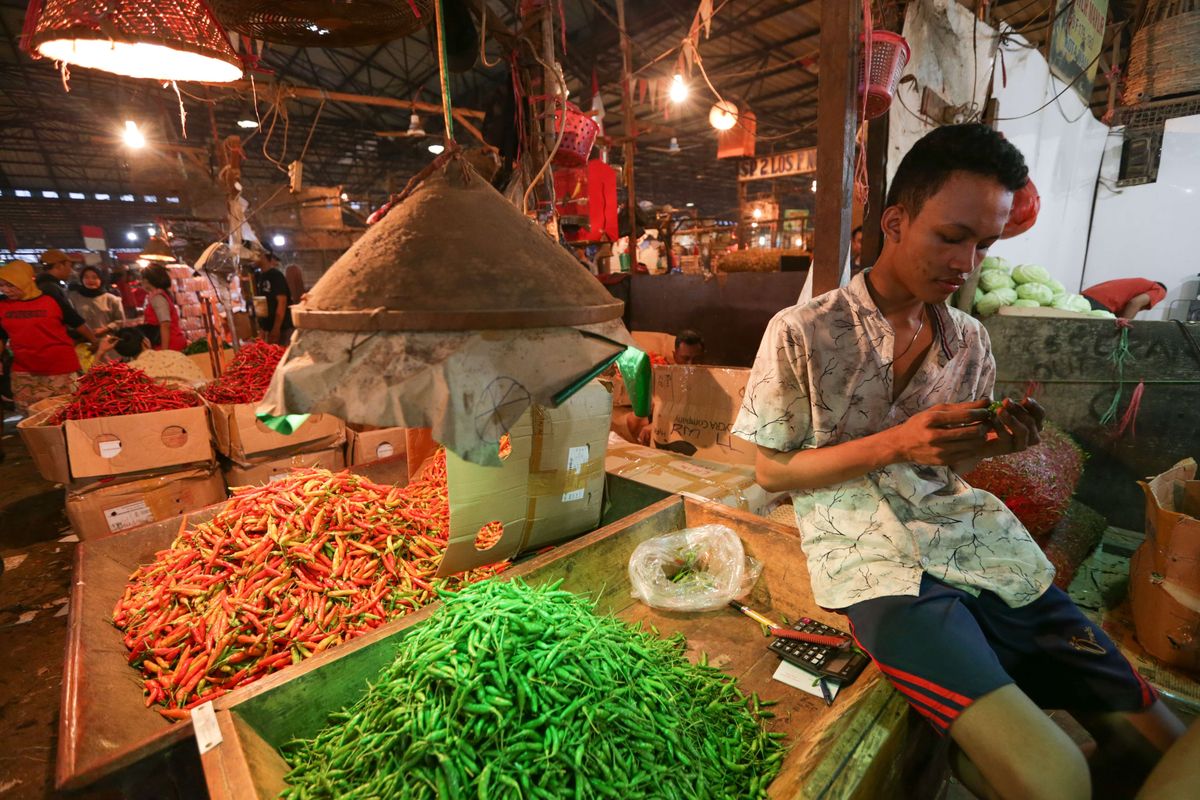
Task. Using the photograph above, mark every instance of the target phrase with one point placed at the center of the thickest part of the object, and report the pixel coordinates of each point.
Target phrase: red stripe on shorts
(916, 680)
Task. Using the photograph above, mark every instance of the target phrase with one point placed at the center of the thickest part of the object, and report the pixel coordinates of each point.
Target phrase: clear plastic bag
(696, 569)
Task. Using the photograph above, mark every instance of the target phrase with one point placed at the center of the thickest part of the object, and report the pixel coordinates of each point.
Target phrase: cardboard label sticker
(278, 476)
(108, 446)
(693, 469)
(174, 436)
(571, 497)
(204, 723)
(385, 450)
(128, 516)
(577, 457)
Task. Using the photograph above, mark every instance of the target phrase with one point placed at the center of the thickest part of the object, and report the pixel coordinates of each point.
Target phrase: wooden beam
(310, 93)
(630, 126)
(836, 124)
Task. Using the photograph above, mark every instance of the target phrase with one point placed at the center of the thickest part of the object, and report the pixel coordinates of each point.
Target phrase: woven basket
(325, 23)
(1164, 58)
(180, 25)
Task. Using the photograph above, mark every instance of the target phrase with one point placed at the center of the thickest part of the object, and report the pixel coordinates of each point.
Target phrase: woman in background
(44, 359)
(101, 310)
(161, 310)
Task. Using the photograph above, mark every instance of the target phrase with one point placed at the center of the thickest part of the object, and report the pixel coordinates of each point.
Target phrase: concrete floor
(37, 547)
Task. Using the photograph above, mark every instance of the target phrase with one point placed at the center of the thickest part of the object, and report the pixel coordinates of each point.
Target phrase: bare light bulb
(437, 149)
(758, 213)
(248, 124)
(132, 136)
(678, 91)
(723, 115)
(278, 241)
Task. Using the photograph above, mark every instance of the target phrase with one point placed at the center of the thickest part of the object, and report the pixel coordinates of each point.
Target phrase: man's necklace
(913, 341)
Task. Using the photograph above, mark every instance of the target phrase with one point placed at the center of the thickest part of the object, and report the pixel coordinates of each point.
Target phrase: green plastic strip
(635, 371)
(287, 424)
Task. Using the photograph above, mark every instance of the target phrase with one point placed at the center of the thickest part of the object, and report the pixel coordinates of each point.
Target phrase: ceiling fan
(415, 130)
(673, 149)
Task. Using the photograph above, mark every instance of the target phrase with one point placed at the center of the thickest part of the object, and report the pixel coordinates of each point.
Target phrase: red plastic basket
(889, 54)
(577, 141)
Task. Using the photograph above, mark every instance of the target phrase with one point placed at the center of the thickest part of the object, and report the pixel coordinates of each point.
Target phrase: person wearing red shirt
(161, 310)
(1125, 297)
(44, 359)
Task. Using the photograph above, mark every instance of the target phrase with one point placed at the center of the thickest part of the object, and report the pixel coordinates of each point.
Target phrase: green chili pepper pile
(283, 571)
(515, 691)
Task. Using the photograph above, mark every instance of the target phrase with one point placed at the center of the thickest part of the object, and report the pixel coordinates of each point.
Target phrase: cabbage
(1036, 292)
(978, 296)
(1080, 303)
(992, 301)
(1031, 273)
(1062, 301)
(993, 279)
(1056, 288)
(1007, 296)
(995, 262)
(1023, 303)
(1104, 313)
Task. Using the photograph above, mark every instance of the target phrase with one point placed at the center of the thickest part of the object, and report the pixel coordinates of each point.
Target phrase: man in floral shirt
(867, 403)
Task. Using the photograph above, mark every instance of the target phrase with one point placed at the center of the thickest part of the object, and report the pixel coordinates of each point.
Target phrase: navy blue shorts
(946, 648)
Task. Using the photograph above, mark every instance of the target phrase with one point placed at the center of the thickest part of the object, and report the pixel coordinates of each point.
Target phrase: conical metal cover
(454, 256)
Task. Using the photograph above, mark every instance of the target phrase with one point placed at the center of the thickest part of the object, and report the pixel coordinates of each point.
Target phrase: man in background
(1125, 297)
(689, 348)
(856, 251)
(57, 269)
(269, 282)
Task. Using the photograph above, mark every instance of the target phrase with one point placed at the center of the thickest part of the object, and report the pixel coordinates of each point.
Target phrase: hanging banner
(1075, 44)
(779, 165)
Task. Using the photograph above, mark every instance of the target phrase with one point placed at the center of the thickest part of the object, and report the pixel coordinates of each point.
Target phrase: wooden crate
(105, 729)
(841, 751)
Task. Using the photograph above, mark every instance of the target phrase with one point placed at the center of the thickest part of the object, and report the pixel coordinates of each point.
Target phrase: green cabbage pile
(1023, 286)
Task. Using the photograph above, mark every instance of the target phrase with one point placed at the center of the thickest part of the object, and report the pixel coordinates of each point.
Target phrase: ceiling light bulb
(248, 124)
(152, 231)
(345, 197)
(414, 126)
(691, 205)
(132, 136)
(758, 213)
(131, 236)
(814, 184)
(723, 115)
(437, 149)
(278, 241)
(679, 90)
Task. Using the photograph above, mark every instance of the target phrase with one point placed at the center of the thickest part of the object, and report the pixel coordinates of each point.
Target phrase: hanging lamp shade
(169, 40)
(453, 312)
(158, 250)
(325, 23)
(454, 256)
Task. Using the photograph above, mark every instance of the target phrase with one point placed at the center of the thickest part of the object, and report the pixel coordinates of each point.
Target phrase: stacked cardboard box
(365, 443)
(253, 453)
(123, 471)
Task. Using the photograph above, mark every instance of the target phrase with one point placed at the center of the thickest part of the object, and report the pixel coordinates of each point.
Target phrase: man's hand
(944, 435)
(1017, 427)
(644, 436)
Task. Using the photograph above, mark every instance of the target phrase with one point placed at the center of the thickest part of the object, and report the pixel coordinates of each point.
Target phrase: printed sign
(779, 165)
(1076, 42)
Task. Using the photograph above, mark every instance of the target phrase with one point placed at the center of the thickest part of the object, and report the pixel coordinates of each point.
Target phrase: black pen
(825, 691)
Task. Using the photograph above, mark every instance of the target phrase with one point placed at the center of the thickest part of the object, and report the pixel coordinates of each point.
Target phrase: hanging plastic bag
(696, 569)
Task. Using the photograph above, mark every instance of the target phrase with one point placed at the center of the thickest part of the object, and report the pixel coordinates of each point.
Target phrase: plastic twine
(1120, 354)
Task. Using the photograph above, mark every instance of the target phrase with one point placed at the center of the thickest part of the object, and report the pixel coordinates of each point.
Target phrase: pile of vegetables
(514, 691)
(283, 571)
(1037, 483)
(113, 390)
(1025, 286)
(248, 376)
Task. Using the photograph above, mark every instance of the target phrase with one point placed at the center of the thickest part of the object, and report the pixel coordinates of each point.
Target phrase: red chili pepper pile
(284, 571)
(248, 377)
(1036, 484)
(112, 390)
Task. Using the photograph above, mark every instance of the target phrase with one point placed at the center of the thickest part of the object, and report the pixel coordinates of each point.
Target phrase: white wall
(1063, 144)
(1153, 230)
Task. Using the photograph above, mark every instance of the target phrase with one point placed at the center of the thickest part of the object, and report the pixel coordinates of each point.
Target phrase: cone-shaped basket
(454, 256)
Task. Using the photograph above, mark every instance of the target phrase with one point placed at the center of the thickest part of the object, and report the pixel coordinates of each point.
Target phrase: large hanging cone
(452, 256)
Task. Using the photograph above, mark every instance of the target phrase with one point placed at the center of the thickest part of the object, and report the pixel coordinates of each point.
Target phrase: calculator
(841, 665)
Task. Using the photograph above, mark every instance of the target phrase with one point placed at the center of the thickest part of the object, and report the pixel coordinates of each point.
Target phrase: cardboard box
(694, 409)
(549, 489)
(271, 469)
(137, 442)
(242, 437)
(1164, 575)
(662, 344)
(48, 403)
(105, 509)
(365, 443)
(47, 446)
(204, 362)
(730, 484)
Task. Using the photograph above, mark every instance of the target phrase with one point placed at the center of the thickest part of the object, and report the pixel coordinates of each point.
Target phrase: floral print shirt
(823, 376)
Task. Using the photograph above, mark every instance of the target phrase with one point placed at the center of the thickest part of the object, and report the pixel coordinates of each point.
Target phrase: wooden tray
(839, 751)
(105, 730)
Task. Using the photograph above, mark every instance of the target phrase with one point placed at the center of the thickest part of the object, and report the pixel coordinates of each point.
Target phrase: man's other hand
(943, 435)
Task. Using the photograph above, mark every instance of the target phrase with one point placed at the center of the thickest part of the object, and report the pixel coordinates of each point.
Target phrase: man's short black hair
(856, 230)
(973, 147)
(130, 342)
(689, 337)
